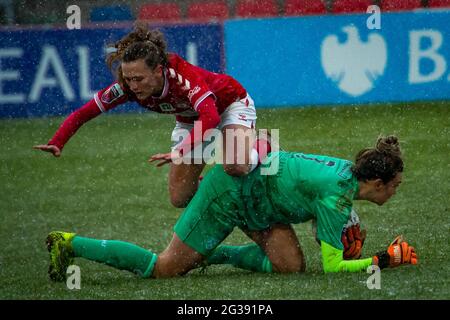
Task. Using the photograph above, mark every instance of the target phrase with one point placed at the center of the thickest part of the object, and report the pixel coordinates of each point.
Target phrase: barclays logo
(354, 65)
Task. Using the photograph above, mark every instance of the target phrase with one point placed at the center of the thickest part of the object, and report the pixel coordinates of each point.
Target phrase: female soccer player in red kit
(165, 83)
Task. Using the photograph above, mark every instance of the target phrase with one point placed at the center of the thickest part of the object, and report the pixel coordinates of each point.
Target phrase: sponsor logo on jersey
(112, 94)
(193, 92)
(242, 117)
(166, 107)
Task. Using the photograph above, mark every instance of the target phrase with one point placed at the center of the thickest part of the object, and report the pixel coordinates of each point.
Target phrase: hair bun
(389, 144)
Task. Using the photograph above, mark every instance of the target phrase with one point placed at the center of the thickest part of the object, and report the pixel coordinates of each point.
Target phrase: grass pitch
(103, 187)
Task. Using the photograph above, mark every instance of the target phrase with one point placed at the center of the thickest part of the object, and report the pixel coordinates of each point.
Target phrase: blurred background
(311, 46)
(32, 12)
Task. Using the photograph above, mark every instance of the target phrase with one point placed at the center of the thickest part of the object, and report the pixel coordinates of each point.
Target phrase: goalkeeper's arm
(333, 260)
(398, 253)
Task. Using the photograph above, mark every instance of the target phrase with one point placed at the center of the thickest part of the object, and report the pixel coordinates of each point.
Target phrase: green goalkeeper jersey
(286, 188)
(304, 187)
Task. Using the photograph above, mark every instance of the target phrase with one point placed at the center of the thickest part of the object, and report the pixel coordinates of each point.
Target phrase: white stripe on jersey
(179, 77)
(172, 73)
(99, 103)
(203, 97)
(166, 85)
(187, 85)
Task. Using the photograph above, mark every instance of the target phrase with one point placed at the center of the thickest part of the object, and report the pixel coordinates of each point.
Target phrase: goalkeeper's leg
(277, 250)
(177, 259)
(249, 257)
(117, 254)
(280, 244)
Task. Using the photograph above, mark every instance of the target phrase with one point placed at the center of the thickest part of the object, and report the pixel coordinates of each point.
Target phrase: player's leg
(64, 247)
(249, 257)
(177, 259)
(242, 148)
(237, 124)
(183, 177)
(183, 182)
(204, 224)
(238, 141)
(281, 245)
(277, 249)
(209, 218)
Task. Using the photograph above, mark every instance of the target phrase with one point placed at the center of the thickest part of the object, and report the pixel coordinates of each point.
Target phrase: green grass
(103, 187)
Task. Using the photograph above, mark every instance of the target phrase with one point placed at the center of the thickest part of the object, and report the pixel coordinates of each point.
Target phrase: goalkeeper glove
(399, 252)
(353, 240)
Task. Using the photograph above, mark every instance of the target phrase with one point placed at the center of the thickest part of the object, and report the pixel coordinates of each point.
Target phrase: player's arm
(399, 252)
(333, 260)
(201, 99)
(352, 237)
(333, 213)
(103, 101)
(208, 118)
(328, 231)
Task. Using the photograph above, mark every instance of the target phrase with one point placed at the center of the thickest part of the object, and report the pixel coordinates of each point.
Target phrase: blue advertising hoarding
(321, 60)
(53, 72)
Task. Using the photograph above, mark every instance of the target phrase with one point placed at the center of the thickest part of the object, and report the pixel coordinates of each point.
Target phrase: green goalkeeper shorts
(212, 214)
(224, 202)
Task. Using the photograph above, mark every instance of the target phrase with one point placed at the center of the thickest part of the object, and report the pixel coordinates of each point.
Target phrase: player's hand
(399, 252)
(164, 158)
(49, 148)
(353, 240)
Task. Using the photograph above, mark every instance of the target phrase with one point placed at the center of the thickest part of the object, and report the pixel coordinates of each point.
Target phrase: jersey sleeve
(333, 261)
(332, 214)
(110, 97)
(103, 101)
(208, 118)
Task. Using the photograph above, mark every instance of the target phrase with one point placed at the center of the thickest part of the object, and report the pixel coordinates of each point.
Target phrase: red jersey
(190, 93)
(185, 87)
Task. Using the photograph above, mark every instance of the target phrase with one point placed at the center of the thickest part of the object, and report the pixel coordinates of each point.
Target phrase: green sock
(249, 257)
(118, 254)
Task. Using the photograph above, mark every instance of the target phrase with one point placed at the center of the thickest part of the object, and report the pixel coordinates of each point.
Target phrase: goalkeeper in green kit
(302, 187)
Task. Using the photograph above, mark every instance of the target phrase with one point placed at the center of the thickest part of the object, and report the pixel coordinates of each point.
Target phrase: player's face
(143, 81)
(383, 192)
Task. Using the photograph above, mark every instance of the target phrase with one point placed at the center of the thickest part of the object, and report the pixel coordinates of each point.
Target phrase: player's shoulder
(337, 172)
(320, 168)
(176, 63)
(177, 67)
(184, 78)
(174, 58)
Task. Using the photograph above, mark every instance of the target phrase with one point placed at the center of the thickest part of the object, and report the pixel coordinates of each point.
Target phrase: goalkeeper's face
(384, 191)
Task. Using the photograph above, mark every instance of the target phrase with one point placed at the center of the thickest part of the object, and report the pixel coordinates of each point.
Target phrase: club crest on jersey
(112, 94)
(166, 107)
